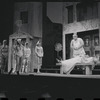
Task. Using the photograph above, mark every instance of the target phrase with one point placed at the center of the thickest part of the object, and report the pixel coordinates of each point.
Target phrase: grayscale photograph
(49, 50)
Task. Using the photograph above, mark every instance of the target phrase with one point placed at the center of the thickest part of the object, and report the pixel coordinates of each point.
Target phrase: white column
(64, 50)
(9, 54)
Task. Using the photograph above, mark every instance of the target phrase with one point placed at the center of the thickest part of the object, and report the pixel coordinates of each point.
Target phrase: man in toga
(77, 46)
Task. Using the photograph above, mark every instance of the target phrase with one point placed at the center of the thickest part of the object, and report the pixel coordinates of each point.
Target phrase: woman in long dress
(39, 54)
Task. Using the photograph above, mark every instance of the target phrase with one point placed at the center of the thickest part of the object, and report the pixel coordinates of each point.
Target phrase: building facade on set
(84, 19)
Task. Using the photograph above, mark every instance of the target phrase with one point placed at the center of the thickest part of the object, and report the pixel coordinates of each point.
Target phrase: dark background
(6, 19)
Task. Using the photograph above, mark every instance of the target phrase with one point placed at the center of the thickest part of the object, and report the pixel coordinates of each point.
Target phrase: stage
(35, 85)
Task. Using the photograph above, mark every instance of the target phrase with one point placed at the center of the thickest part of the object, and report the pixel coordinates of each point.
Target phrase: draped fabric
(69, 64)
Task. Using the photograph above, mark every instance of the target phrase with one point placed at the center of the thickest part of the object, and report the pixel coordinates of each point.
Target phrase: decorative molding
(81, 26)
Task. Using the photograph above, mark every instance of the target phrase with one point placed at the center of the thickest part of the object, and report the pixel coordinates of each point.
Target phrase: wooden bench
(88, 67)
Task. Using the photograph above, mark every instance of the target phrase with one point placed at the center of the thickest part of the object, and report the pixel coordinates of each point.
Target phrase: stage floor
(57, 85)
(57, 75)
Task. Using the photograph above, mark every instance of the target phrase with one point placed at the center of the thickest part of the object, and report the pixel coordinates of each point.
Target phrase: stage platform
(34, 85)
(54, 75)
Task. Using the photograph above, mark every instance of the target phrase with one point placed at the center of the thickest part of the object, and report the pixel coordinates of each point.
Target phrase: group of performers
(79, 55)
(21, 56)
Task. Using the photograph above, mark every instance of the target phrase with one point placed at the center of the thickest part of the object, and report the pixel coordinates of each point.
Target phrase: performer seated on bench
(79, 55)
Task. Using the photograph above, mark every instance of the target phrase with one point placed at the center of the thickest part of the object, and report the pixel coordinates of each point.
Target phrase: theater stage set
(51, 84)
